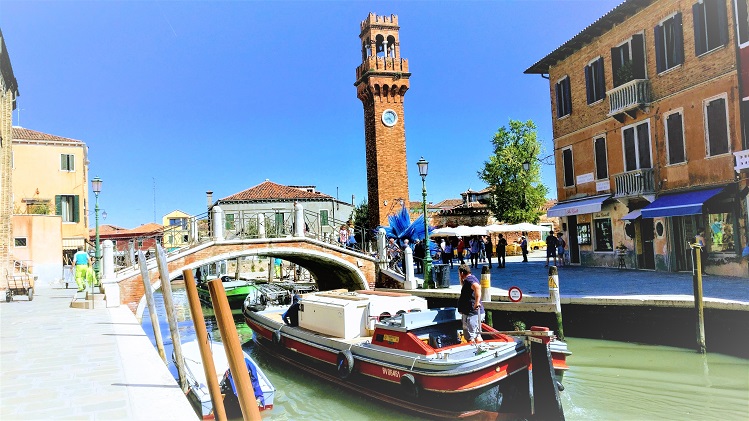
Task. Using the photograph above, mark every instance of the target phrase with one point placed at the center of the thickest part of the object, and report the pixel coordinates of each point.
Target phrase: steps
(89, 299)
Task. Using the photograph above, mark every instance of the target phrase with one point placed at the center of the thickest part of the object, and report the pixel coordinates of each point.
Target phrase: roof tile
(20, 133)
(268, 190)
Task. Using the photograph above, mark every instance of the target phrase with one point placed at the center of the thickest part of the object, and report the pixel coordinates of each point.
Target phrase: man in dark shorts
(551, 248)
(469, 304)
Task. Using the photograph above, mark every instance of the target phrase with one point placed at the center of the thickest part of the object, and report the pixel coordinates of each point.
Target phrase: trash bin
(441, 275)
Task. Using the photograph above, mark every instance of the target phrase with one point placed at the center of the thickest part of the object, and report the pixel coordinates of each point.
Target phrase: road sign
(515, 294)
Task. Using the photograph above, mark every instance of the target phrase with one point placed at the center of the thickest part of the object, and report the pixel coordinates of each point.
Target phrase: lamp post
(96, 185)
(423, 169)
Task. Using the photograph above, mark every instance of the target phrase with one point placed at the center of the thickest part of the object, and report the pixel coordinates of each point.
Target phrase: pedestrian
(81, 260)
(489, 247)
(561, 245)
(291, 316)
(443, 251)
(501, 251)
(474, 252)
(393, 254)
(449, 253)
(419, 256)
(551, 248)
(469, 304)
(461, 249)
(343, 235)
(524, 247)
(482, 248)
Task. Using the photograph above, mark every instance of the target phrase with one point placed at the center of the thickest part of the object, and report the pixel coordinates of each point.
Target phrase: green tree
(361, 215)
(516, 194)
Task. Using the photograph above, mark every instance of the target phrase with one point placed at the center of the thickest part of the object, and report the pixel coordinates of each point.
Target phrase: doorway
(684, 228)
(574, 246)
(647, 234)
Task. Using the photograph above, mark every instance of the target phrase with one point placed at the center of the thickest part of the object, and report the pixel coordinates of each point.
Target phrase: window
(280, 229)
(569, 171)
(67, 206)
(742, 16)
(140, 244)
(603, 237)
(710, 25)
(20, 241)
(716, 126)
(669, 43)
(628, 60)
(636, 146)
(67, 162)
(602, 169)
(675, 138)
(181, 222)
(720, 230)
(323, 217)
(564, 98)
(583, 234)
(595, 85)
(229, 223)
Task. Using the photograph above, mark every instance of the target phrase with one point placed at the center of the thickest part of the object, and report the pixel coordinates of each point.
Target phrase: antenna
(154, 198)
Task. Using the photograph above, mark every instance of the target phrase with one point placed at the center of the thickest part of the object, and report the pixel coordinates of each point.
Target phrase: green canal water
(607, 380)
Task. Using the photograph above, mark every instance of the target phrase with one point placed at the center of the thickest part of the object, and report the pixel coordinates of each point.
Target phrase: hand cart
(19, 284)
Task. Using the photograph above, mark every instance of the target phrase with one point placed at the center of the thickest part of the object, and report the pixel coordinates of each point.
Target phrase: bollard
(209, 368)
(408, 269)
(698, 304)
(381, 248)
(556, 299)
(151, 305)
(225, 321)
(486, 293)
(547, 404)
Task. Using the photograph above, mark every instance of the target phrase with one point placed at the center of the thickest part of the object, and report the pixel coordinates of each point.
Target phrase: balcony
(628, 98)
(742, 160)
(634, 183)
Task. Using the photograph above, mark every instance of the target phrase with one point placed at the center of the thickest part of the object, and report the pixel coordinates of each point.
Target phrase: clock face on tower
(389, 117)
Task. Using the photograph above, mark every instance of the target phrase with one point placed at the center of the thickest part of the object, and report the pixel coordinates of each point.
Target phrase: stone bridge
(331, 266)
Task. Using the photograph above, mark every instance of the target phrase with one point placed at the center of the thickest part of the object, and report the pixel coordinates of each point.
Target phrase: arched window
(380, 45)
(391, 47)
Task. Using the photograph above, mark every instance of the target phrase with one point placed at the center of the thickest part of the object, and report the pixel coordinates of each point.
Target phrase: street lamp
(423, 169)
(96, 185)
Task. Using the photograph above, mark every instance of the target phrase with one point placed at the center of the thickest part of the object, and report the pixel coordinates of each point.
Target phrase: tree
(516, 194)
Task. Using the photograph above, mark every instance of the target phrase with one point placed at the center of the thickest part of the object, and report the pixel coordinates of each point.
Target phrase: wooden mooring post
(166, 288)
(698, 302)
(201, 333)
(556, 299)
(486, 293)
(151, 304)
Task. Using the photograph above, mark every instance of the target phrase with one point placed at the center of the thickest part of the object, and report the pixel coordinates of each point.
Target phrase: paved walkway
(62, 363)
(577, 281)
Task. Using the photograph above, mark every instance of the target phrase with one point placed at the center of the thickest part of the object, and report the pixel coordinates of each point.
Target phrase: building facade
(382, 80)
(176, 229)
(9, 87)
(647, 115)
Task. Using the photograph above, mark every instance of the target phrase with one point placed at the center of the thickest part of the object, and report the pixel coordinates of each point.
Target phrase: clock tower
(381, 85)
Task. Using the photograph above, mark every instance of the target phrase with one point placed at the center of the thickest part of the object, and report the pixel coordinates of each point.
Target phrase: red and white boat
(392, 347)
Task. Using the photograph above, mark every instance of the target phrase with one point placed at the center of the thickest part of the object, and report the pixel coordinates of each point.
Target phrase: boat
(198, 393)
(392, 347)
(236, 290)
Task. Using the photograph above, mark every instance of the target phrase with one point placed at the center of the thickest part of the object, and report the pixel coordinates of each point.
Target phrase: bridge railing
(330, 231)
(258, 223)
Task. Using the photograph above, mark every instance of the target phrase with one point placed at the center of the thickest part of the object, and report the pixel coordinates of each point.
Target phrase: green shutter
(324, 217)
(62, 162)
(58, 204)
(76, 203)
(71, 162)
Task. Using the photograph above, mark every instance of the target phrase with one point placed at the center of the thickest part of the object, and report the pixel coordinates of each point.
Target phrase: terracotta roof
(148, 228)
(106, 229)
(449, 203)
(20, 133)
(115, 231)
(269, 190)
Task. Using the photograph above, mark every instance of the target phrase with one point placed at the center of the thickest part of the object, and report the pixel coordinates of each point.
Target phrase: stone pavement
(57, 362)
(577, 281)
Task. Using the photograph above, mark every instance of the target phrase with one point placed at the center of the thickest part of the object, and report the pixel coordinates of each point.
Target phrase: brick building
(647, 113)
(9, 87)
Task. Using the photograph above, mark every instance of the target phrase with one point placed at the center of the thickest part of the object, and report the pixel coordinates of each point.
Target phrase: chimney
(209, 198)
(353, 200)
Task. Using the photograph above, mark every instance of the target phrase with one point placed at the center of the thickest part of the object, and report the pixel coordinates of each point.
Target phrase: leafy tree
(361, 214)
(516, 194)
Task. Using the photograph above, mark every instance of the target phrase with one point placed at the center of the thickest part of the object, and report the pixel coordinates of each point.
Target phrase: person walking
(524, 247)
(449, 253)
(461, 248)
(81, 260)
(501, 251)
(469, 304)
(561, 245)
(419, 256)
(489, 247)
(343, 235)
(393, 254)
(551, 248)
(482, 248)
(474, 252)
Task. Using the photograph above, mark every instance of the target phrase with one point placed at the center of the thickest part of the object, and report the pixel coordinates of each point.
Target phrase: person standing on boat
(469, 304)
(81, 268)
(291, 316)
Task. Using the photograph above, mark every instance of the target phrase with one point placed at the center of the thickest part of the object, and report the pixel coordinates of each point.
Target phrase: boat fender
(560, 386)
(277, 337)
(409, 386)
(345, 363)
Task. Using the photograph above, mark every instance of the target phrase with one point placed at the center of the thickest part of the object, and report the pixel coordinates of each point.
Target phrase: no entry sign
(515, 294)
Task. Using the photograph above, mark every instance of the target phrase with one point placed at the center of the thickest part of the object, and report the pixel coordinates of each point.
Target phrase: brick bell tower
(381, 84)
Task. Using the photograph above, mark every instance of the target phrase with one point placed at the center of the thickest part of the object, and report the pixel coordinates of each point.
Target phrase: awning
(576, 207)
(73, 243)
(632, 215)
(680, 204)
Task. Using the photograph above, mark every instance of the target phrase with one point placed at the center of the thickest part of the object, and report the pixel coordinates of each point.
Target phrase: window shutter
(601, 80)
(76, 203)
(71, 162)
(638, 56)
(589, 85)
(558, 89)
(601, 161)
(643, 145)
(675, 139)
(722, 21)
(699, 29)
(660, 64)
(62, 162)
(616, 63)
(58, 204)
(568, 95)
(630, 159)
(716, 126)
(678, 40)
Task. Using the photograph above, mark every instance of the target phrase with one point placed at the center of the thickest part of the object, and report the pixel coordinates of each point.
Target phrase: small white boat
(198, 393)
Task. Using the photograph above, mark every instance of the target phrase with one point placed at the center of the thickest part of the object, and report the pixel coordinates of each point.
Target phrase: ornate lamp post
(423, 169)
(96, 185)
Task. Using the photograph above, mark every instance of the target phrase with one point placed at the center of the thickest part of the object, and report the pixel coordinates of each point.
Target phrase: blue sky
(176, 98)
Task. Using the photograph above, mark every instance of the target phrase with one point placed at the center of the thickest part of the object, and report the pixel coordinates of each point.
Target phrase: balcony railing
(628, 96)
(634, 183)
(742, 160)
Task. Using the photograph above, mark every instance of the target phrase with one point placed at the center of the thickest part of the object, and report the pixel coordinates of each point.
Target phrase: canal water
(607, 380)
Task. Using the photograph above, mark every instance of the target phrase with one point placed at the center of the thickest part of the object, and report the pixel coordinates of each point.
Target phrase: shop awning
(632, 215)
(680, 204)
(576, 207)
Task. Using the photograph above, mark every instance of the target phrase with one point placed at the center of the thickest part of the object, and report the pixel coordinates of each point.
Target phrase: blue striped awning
(680, 204)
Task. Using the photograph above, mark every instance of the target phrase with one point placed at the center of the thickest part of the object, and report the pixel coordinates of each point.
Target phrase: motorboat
(236, 290)
(198, 393)
(391, 346)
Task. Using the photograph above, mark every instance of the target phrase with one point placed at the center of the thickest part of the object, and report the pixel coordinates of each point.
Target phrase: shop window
(603, 237)
(720, 228)
(583, 234)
